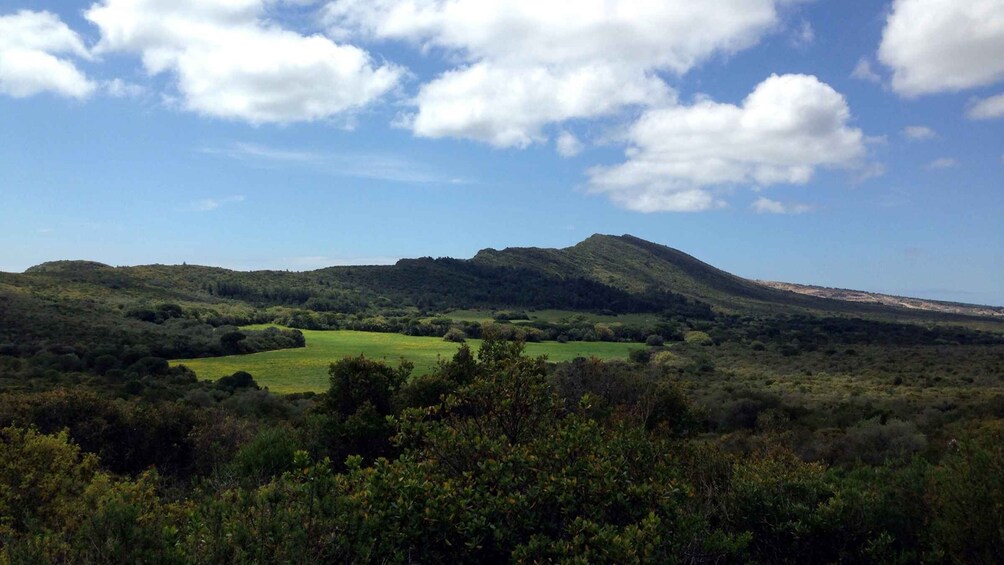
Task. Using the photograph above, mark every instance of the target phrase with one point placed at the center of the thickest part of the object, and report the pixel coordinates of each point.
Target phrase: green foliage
(356, 381)
(240, 379)
(701, 338)
(41, 477)
(360, 399)
(267, 455)
(774, 429)
(55, 506)
(967, 499)
(774, 497)
(641, 356)
(455, 335)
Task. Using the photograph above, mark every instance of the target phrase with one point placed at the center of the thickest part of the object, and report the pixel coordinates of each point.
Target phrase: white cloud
(231, 61)
(34, 56)
(118, 88)
(672, 34)
(869, 171)
(767, 206)
(375, 166)
(987, 108)
(863, 71)
(525, 64)
(943, 45)
(568, 145)
(943, 163)
(210, 204)
(804, 35)
(919, 133)
(785, 129)
(508, 107)
(255, 151)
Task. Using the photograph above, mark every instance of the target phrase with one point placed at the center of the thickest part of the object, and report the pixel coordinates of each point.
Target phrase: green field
(306, 369)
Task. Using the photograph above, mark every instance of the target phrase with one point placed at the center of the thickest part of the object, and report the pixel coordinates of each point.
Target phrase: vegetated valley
(617, 401)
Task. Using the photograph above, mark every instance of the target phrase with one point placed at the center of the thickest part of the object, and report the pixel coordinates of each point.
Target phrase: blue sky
(854, 144)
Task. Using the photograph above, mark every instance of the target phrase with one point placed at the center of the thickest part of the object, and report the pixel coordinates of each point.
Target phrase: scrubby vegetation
(729, 431)
(495, 456)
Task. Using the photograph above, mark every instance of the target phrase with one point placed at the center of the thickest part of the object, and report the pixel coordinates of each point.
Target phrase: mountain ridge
(625, 263)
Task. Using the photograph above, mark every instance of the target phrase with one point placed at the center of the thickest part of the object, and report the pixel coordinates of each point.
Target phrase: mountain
(604, 273)
(636, 265)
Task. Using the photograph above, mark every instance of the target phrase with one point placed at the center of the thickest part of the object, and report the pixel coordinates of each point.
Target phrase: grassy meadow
(306, 369)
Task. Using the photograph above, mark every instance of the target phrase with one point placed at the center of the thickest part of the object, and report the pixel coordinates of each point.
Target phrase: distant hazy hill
(889, 299)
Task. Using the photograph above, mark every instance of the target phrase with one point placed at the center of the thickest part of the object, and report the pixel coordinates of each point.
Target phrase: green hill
(638, 266)
(82, 302)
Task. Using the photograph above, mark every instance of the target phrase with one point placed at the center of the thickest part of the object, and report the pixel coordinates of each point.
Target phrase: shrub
(268, 455)
(455, 335)
(966, 493)
(701, 338)
(148, 366)
(640, 356)
(240, 379)
(873, 441)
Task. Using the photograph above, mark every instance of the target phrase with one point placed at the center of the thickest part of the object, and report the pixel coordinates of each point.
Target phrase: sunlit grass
(306, 369)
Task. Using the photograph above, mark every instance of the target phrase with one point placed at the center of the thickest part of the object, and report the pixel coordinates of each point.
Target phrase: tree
(356, 381)
(231, 341)
(359, 401)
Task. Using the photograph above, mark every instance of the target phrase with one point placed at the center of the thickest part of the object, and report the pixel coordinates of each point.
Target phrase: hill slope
(889, 299)
(619, 274)
(636, 265)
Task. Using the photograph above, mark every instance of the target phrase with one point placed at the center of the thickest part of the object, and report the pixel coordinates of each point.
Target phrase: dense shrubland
(497, 456)
(767, 430)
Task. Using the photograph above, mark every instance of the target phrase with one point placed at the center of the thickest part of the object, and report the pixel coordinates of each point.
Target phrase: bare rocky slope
(864, 297)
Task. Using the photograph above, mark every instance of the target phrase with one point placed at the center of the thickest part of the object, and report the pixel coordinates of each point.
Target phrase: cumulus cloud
(918, 133)
(987, 108)
(767, 206)
(231, 61)
(782, 132)
(943, 45)
(525, 64)
(507, 107)
(36, 51)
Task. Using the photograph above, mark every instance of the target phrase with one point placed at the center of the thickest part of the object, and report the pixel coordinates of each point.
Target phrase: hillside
(636, 265)
(88, 302)
(889, 299)
(619, 274)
